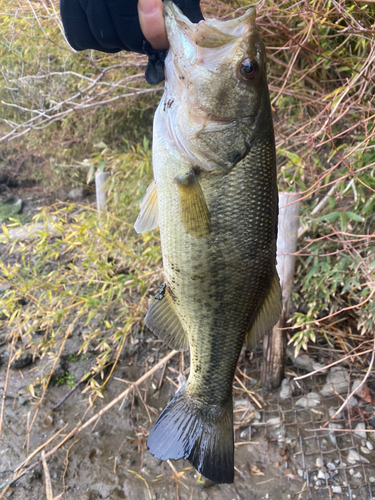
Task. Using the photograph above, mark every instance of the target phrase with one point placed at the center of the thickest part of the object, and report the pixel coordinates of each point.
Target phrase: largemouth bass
(214, 197)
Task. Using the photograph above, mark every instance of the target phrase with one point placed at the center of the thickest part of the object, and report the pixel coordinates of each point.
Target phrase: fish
(214, 198)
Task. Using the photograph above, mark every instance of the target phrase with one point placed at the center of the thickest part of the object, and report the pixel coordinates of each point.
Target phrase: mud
(110, 459)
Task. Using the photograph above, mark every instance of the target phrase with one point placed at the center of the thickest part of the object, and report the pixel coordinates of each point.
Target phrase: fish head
(217, 67)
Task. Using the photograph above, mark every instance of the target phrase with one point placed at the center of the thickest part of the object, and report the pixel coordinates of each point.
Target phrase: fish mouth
(210, 33)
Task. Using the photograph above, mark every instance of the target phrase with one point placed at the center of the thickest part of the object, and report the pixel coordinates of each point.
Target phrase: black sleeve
(113, 25)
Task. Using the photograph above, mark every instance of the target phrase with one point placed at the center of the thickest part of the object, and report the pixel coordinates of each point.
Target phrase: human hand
(151, 20)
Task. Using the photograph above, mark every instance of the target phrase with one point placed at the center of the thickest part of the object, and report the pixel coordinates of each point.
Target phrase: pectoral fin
(163, 320)
(148, 216)
(194, 211)
(267, 316)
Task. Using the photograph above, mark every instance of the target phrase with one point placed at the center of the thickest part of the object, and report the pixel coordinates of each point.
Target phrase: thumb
(150, 13)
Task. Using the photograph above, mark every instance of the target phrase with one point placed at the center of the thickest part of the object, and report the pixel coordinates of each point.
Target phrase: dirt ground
(281, 451)
(277, 457)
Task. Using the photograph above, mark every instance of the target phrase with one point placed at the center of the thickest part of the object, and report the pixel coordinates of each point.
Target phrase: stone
(359, 430)
(336, 489)
(351, 472)
(323, 444)
(356, 383)
(365, 450)
(319, 462)
(331, 466)
(300, 472)
(357, 475)
(274, 422)
(24, 360)
(75, 194)
(337, 381)
(352, 401)
(354, 457)
(332, 410)
(309, 401)
(304, 362)
(286, 389)
(321, 474)
(244, 404)
(318, 482)
(369, 445)
(372, 479)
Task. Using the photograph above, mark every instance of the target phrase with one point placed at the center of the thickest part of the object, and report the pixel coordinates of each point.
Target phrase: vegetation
(66, 115)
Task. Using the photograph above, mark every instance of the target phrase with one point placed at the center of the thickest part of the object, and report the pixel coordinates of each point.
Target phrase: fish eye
(248, 69)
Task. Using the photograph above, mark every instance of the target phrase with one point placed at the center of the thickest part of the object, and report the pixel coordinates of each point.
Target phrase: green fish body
(214, 197)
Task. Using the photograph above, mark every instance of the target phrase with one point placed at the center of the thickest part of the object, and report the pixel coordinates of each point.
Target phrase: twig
(69, 393)
(47, 477)
(6, 387)
(248, 392)
(144, 480)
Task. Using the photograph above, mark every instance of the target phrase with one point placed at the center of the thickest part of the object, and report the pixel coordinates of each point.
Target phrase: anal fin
(267, 316)
(194, 211)
(148, 216)
(163, 320)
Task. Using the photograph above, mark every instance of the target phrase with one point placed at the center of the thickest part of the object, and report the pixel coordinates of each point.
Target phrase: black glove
(113, 25)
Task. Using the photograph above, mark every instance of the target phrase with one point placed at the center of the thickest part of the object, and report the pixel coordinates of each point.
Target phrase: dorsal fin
(163, 320)
(267, 316)
(148, 216)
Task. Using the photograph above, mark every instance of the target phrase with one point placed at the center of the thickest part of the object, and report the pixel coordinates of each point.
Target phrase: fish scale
(215, 180)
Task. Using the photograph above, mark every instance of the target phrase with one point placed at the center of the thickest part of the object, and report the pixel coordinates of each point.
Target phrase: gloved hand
(113, 25)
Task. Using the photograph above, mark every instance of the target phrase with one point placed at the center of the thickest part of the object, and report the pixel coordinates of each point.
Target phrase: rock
(23, 399)
(357, 475)
(332, 410)
(372, 479)
(309, 401)
(274, 422)
(319, 462)
(304, 362)
(332, 435)
(45, 368)
(318, 483)
(323, 444)
(354, 457)
(331, 466)
(359, 430)
(336, 489)
(355, 384)
(372, 422)
(351, 472)
(321, 474)
(369, 445)
(243, 403)
(24, 360)
(365, 450)
(76, 194)
(352, 401)
(300, 472)
(337, 381)
(286, 389)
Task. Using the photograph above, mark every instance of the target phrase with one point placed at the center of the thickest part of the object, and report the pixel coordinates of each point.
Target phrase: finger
(150, 13)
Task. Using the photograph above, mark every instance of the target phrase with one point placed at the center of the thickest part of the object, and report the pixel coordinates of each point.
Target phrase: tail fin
(202, 434)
